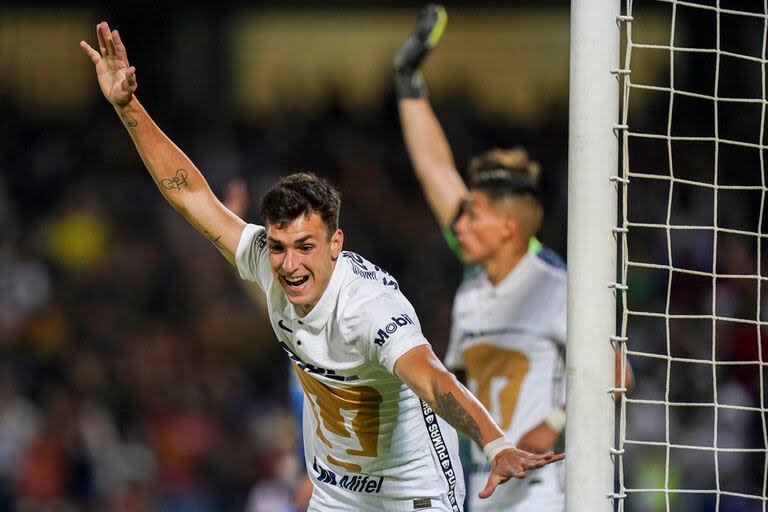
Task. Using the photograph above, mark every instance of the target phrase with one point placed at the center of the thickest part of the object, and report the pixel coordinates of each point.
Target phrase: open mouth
(295, 283)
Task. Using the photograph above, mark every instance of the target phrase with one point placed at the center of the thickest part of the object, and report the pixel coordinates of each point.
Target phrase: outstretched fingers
(493, 482)
(111, 44)
(106, 43)
(496, 478)
(100, 29)
(119, 46)
(514, 463)
(541, 460)
(129, 84)
(93, 54)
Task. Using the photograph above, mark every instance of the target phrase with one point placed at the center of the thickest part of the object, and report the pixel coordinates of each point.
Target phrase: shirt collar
(513, 279)
(320, 314)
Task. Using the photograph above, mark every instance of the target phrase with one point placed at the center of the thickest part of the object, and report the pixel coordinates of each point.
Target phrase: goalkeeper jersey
(370, 443)
(510, 340)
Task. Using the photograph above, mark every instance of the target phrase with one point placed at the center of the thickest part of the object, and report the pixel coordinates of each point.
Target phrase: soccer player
(508, 329)
(379, 403)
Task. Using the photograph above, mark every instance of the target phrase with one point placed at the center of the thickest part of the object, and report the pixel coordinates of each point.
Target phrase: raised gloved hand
(409, 82)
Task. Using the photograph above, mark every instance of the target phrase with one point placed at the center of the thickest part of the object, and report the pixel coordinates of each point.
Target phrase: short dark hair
(502, 173)
(515, 160)
(301, 193)
(509, 174)
(500, 184)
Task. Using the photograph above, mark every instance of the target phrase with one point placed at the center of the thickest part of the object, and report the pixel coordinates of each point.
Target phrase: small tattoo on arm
(130, 122)
(452, 412)
(213, 239)
(178, 181)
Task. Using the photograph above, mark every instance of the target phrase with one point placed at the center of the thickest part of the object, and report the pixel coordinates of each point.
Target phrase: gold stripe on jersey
(484, 363)
(327, 402)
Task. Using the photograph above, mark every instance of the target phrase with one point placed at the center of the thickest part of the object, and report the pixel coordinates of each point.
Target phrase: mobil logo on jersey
(385, 332)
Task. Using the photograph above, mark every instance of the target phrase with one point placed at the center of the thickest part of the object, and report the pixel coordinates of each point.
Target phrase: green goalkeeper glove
(409, 82)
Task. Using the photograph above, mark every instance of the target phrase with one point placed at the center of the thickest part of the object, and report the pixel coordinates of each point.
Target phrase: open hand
(117, 79)
(513, 463)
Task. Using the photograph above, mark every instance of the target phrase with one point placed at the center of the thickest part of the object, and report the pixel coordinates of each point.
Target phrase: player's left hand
(513, 463)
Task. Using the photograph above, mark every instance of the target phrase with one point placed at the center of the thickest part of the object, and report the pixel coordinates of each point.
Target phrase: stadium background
(134, 369)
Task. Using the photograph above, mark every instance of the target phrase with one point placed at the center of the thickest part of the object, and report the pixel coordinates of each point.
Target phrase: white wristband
(492, 449)
(556, 419)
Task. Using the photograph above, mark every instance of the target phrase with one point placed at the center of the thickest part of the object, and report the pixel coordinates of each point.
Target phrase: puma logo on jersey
(383, 334)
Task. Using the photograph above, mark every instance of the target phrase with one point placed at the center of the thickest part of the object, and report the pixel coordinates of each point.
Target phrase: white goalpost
(686, 206)
(592, 213)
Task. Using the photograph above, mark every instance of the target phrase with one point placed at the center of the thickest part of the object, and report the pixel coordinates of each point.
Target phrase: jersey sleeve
(251, 256)
(385, 327)
(454, 359)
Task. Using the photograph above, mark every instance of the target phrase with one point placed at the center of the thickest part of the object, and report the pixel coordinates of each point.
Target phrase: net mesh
(692, 432)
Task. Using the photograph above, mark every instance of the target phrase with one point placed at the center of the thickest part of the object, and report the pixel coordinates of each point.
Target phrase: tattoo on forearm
(452, 412)
(178, 181)
(213, 239)
(130, 122)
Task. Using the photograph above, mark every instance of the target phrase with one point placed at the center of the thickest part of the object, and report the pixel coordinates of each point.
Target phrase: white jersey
(510, 339)
(370, 442)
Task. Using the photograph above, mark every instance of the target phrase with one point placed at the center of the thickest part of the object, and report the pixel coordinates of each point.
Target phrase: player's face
(302, 257)
(480, 228)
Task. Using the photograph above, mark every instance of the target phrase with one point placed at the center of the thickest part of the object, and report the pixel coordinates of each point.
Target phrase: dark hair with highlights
(503, 173)
(514, 160)
(510, 177)
(301, 193)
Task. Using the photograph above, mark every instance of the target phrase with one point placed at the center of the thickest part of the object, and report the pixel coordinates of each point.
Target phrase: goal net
(692, 189)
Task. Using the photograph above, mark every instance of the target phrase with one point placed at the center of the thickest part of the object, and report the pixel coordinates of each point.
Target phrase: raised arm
(420, 369)
(425, 140)
(180, 182)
